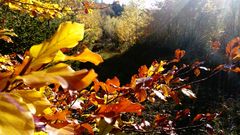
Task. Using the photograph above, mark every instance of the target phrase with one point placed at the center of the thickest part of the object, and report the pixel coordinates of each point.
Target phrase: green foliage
(29, 30)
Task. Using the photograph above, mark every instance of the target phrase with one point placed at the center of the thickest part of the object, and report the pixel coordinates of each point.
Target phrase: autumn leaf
(111, 85)
(66, 130)
(124, 105)
(197, 117)
(160, 95)
(5, 33)
(16, 119)
(215, 45)
(67, 36)
(61, 74)
(197, 72)
(188, 93)
(60, 115)
(178, 55)
(85, 126)
(143, 71)
(141, 95)
(85, 56)
(232, 48)
(34, 98)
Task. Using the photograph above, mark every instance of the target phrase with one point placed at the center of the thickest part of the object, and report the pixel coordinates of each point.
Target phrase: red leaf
(198, 117)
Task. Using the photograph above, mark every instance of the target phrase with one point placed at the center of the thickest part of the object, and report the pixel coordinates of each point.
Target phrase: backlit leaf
(197, 117)
(61, 74)
(197, 72)
(141, 95)
(124, 105)
(160, 95)
(67, 36)
(35, 98)
(67, 130)
(16, 119)
(85, 56)
(178, 55)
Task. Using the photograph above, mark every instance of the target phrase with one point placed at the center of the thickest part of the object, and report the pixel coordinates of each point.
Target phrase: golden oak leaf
(16, 119)
(124, 105)
(85, 56)
(34, 98)
(67, 36)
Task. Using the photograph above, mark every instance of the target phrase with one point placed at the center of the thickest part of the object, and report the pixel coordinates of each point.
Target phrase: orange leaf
(112, 84)
(233, 47)
(179, 54)
(197, 72)
(215, 45)
(61, 115)
(81, 80)
(141, 95)
(19, 68)
(124, 105)
(143, 71)
(237, 70)
(197, 117)
(88, 127)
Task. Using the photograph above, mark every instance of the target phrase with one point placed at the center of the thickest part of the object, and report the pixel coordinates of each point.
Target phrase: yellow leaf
(85, 56)
(16, 119)
(67, 36)
(34, 98)
(61, 74)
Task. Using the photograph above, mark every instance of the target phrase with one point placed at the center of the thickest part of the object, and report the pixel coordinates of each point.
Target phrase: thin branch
(198, 81)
